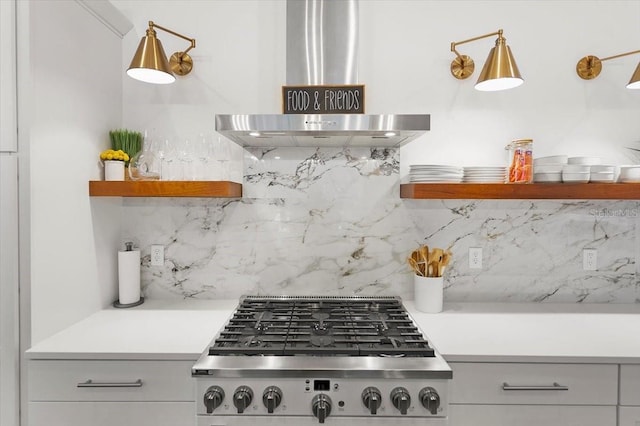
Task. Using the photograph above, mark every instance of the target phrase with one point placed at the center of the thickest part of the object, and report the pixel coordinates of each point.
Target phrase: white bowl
(548, 168)
(576, 168)
(576, 177)
(553, 159)
(603, 168)
(602, 177)
(547, 177)
(584, 160)
(629, 173)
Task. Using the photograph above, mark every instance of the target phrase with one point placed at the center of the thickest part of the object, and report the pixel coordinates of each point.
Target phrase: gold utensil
(415, 266)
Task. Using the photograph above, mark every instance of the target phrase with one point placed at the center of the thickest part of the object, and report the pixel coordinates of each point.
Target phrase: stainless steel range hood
(322, 49)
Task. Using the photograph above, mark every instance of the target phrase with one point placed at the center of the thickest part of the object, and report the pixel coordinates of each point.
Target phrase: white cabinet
(101, 393)
(629, 410)
(496, 394)
(8, 100)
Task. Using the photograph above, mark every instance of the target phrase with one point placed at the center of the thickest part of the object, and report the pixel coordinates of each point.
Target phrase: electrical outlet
(475, 258)
(590, 259)
(157, 255)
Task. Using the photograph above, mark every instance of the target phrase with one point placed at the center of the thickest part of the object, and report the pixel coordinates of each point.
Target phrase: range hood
(322, 49)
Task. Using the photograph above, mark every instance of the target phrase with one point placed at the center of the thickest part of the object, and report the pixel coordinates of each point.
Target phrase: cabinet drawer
(531, 384)
(111, 413)
(628, 416)
(630, 385)
(531, 415)
(110, 381)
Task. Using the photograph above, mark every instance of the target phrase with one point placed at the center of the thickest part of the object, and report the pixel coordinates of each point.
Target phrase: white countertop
(157, 329)
(507, 332)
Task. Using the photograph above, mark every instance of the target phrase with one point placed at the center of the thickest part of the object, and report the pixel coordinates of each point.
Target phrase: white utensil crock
(427, 293)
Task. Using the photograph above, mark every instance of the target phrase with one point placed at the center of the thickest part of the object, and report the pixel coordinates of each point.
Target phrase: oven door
(309, 421)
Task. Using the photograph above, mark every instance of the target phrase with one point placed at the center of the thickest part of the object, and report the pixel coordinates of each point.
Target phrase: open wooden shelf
(534, 191)
(150, 188)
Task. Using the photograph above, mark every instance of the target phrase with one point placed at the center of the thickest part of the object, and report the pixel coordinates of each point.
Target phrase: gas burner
(381, 327)
(261, 327)
(375, 307)
(320, 328)
(321, 341)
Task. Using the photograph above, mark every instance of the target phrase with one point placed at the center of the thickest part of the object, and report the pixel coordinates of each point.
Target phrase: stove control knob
(430, 399)
(401, 399)
(242, 398)
(372, 398)
(271, 398)
(213, 398)
(321, 406)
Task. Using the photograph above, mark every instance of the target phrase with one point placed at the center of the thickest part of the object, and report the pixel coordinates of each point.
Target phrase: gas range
(308, 360)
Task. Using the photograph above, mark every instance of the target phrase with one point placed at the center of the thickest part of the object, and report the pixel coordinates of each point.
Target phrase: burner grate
(321, 326)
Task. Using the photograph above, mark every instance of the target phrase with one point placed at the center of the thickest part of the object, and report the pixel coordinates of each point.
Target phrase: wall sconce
(500, 71)
(590, 66)
(150, 64)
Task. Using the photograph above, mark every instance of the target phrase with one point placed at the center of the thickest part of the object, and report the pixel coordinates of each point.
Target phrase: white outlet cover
(157, 255)
(590, 259)
(475, 257)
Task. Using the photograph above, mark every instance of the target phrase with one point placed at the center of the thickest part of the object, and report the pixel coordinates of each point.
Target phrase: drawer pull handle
(91, 384)
(556, 387)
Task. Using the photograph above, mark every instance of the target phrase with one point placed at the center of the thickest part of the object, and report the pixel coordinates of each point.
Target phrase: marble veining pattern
(330, 221)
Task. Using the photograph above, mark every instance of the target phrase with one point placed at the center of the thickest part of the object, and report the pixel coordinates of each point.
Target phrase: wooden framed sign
(341, 99)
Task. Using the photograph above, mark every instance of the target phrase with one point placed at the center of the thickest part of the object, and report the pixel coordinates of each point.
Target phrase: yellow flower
(110, 154)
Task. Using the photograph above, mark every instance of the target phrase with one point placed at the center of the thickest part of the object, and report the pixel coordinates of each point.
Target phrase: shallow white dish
(578, 177)
(576, 168)
(553, 159)
(547, 177)
(584, 160)
(629, 174)
(548, 168)
(603, 177)
(598, 168)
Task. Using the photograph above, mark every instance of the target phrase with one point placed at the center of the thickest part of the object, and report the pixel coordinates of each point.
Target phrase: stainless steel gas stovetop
(308, 360)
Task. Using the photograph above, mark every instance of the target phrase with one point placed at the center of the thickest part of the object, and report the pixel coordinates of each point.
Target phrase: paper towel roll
(129, 276)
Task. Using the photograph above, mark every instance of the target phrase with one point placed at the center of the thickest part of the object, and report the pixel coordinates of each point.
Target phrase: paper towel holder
(117, 303)
(128, 247)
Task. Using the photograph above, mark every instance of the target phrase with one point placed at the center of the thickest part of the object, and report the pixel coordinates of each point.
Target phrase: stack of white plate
(435, 173)
(601, 173)
(549, 169)
(577, 173)
(485, 174)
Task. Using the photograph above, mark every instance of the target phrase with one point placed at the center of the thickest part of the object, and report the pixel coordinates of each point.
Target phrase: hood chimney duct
(322, 42)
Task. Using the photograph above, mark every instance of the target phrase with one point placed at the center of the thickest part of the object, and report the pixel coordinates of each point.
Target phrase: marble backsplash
(330, 221)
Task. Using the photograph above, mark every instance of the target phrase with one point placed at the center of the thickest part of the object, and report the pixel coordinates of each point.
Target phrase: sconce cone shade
(150, 63)
(500, 71)
(634, 83)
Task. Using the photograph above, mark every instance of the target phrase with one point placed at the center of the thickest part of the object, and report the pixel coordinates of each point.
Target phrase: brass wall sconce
(590, 67)
(500, 71)
(149, 64)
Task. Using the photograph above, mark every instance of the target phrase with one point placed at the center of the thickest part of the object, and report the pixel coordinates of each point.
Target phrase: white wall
(73, 97)
(404, 63)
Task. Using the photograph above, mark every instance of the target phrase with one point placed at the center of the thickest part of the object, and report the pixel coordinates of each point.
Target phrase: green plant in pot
(128, 141)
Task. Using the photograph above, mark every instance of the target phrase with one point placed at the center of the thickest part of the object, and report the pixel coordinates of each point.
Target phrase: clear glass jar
(520, 161)
(145, 164)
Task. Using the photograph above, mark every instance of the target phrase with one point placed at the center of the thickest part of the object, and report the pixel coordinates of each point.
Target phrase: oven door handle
(91, 384)
(555, 387)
